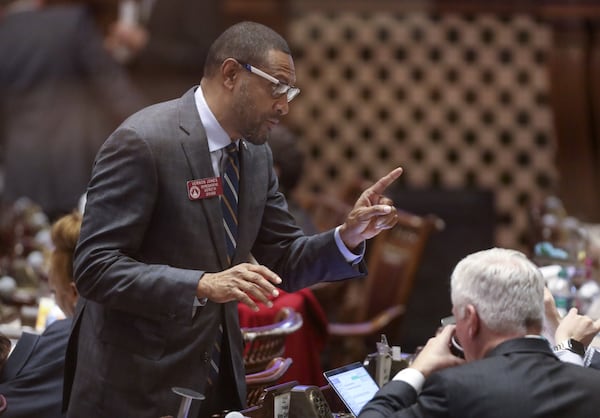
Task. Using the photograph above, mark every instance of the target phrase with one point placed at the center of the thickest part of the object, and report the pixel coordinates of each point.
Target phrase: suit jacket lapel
(195, 147)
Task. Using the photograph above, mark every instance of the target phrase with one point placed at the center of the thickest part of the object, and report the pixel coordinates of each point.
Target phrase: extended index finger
(386, 180)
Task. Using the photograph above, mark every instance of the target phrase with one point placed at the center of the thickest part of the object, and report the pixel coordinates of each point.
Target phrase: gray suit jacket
(143, 247)
(520, 378)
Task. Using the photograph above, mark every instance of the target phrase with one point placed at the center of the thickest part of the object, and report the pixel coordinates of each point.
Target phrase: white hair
(504, 286)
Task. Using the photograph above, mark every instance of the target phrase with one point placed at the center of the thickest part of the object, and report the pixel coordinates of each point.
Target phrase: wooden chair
(264, 343)
(379, 301)
(257, 382)
(326, 210)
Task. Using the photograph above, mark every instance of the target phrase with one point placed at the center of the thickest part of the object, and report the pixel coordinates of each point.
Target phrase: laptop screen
(353, 384)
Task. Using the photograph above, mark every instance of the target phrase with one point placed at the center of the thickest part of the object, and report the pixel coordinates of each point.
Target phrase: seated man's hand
(436, 354)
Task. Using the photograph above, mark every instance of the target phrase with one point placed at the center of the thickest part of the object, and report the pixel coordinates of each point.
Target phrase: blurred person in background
(163, 43)
(572, 335)
(60, 95)
(5, 346)
(64, 234)
(288, 162)
(32, 379)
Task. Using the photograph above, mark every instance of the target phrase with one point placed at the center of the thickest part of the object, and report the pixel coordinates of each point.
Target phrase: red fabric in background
(303, 346)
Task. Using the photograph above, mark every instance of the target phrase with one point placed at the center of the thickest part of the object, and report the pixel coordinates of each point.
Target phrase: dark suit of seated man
(508, 371)
(31, 380)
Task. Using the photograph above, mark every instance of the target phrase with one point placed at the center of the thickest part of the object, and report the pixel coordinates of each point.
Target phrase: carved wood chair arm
(367, 327)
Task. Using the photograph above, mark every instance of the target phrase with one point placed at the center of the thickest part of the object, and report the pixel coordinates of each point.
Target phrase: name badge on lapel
(203, 188)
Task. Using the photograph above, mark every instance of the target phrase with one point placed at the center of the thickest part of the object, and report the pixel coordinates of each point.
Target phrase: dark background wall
(469, 218)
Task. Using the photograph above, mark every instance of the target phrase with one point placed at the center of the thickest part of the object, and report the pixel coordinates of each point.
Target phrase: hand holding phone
(455, 347)
(436, 354)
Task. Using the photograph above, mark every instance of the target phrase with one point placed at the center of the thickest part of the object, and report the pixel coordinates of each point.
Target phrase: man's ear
(229, 71)
(73, 290)
(472, 319)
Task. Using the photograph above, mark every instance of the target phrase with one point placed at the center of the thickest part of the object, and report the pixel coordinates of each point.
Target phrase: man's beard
(250, 124)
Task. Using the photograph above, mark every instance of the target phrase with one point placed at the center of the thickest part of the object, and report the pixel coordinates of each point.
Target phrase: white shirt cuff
(568, 356)
(348, 255)
(411, 376)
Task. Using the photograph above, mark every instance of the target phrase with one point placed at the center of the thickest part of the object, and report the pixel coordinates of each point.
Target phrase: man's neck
(214, 101)
(492, 340)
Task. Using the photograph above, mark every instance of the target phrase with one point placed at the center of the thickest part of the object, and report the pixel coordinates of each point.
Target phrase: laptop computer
(353, 384)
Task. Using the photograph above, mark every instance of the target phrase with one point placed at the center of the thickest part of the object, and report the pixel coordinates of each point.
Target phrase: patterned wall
(458, 101)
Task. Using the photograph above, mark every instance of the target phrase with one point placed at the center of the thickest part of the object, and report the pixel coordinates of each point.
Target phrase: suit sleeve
(300, 260)
(120, 201)
(399, 400)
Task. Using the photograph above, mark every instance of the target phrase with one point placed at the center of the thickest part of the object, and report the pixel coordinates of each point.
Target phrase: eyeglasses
(279, 88)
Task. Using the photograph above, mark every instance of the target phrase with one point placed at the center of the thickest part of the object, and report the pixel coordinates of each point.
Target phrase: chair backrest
(326, 210)
(393, 261)
(264, 343)
(257, 382)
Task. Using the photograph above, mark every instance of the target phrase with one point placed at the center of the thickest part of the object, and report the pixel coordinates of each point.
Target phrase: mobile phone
(455, 347)
(448, 320)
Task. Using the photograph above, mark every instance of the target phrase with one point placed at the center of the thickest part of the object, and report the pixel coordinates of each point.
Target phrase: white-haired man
(508, 371)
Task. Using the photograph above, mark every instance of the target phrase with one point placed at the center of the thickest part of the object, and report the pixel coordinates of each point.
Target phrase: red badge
(203, 188)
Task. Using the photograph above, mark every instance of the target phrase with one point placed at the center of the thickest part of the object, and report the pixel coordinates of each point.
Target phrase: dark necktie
(229, 206)
(229, 200)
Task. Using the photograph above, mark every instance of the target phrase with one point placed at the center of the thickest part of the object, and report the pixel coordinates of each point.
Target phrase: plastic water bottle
(586, 294)
(563, 291)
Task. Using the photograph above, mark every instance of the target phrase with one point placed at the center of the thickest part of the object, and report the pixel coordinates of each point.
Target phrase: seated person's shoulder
(34, 350)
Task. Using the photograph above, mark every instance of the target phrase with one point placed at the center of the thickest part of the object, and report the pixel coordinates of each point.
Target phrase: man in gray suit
(510, 370)
(159, 293)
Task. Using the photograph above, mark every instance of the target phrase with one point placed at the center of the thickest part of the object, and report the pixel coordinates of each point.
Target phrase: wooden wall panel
(573, 106)
(574, 69)
(272, 13)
